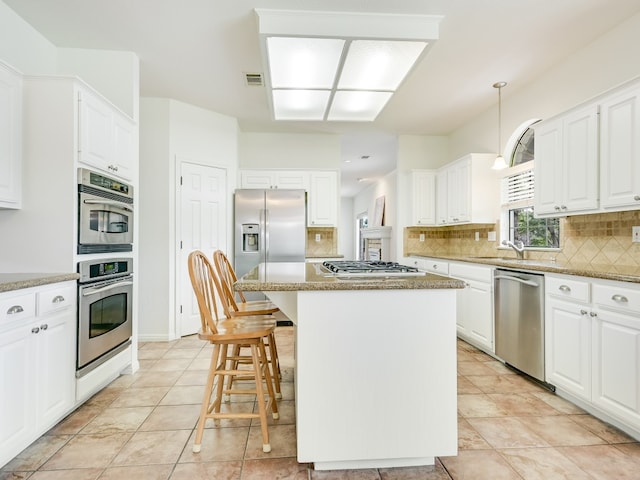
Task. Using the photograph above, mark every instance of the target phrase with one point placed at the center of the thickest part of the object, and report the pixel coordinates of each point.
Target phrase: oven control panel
(92, 270)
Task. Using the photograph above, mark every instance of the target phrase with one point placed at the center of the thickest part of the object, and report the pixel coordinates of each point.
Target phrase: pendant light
(499, 162)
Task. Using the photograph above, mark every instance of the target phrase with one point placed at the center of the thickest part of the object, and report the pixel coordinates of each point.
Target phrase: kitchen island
(375, 372)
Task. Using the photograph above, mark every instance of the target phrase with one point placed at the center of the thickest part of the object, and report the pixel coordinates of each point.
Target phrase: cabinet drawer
(16, 307)
(575, 290)
(436, 266)
(471, 272)
(616, 296)
(56, 299)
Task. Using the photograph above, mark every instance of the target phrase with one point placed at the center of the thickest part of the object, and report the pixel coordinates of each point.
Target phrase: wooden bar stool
(227, 334)
(245, 308)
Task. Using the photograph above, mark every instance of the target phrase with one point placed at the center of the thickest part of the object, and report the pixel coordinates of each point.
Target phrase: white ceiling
(197, 51)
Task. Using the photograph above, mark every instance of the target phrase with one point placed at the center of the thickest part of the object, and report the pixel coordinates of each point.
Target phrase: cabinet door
(95, 125)
(17, 382)
(620, 149)
(123, 147)
(256, 179)
(616, 365)
(291, 179)
(568, 347)
(56, 361)
(10, 138)
(424, 208)
(580, 161)
(323, 199)
(548, 137)
(480, 310)
(442, 213)
(457, 192)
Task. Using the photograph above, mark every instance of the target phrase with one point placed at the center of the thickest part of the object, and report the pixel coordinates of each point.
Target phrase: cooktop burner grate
(370, 267)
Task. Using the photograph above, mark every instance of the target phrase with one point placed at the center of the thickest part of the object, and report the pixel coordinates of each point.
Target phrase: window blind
(518, 187)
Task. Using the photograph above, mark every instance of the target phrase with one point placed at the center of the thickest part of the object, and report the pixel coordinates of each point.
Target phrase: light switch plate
(477, 236)
(317, 237)
(635, 234)
(491, 236)
(422, 237)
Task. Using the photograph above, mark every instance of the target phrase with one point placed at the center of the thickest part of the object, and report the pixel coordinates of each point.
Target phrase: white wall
(171, 131)
(293, 151)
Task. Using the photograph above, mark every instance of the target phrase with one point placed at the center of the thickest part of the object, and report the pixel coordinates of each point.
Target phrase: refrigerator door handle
(264, 226)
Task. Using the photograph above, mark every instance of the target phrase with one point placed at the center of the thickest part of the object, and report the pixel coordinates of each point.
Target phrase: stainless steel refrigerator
(270, 226)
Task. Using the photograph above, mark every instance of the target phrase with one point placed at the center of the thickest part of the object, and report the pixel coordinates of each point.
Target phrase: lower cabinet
(593, 344)
(475, 304)
(37, 363)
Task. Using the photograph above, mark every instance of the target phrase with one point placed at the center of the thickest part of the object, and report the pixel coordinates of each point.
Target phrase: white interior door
(203, 208)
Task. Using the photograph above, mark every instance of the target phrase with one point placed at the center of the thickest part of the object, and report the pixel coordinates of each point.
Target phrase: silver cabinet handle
(35, 330)
(593, 314)
(44, 326)
(435, 267)
(564, 288)
(619, 298)
(15, 309)
(563, 207)
(583, 312)
(58, 299)
(637, 198)
(556, 208)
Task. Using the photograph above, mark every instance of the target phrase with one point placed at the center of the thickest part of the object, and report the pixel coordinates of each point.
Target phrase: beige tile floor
(142, 426)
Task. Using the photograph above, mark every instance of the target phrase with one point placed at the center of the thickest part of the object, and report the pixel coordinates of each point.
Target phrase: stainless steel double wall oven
(105, 287)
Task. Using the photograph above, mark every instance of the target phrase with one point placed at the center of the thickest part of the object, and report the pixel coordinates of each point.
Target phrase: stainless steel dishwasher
(519, 317)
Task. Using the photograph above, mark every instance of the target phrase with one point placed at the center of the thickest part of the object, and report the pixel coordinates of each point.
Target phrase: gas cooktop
(369, 268)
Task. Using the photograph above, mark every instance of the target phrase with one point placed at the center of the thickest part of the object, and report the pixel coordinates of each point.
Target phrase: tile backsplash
(599, 239)
(327, 243)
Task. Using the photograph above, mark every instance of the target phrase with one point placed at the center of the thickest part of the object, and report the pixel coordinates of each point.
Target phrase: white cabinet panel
(620, 149)
(323, 199)
(566, 176)
(10, 138)
(269, 179)
(424, 197)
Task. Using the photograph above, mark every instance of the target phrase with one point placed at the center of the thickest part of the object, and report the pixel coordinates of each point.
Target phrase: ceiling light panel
(300, 104)
(303, 62)
(378, 65)
(357, 106)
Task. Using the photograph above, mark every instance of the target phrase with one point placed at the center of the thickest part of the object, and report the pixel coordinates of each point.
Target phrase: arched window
(520, 146)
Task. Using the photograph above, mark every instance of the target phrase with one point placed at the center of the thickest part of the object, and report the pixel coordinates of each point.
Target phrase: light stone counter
(301, 276)
(17, 281)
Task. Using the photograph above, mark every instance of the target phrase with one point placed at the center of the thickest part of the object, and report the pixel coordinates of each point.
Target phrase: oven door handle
(95, 291)
(111, 203)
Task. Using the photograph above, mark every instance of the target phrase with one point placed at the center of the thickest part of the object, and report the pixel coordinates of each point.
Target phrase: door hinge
(180, 309)
(180, 180)
(180, 244)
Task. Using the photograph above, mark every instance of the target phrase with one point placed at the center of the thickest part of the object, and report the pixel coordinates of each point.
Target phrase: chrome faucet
(518, 246)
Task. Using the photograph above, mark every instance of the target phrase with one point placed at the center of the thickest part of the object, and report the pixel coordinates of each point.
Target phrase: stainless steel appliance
(519, 317)
(363, 268)
(105, 214)
(105, 321)
(270, 226)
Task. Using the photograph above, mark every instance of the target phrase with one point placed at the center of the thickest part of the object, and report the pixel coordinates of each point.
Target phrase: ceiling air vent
(253, 79)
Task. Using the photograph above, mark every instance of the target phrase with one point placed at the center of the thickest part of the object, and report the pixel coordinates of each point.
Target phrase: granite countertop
(623, 273)
(298, 276)
(17, 281)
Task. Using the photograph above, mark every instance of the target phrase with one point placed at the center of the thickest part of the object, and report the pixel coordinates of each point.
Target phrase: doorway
(362, 221)
(202, 226)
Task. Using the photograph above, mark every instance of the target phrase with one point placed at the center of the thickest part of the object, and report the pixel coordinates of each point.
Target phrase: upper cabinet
(10, 138)
(588, 159)
(423, 197)
(323, 199)
(620, 150)
(106, 137)
(472, 190)
(321, 186)
(270, 179)
(566, 170)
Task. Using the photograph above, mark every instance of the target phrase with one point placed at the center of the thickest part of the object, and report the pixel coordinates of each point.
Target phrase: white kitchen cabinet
(442, 215)
(323, 199)
(566, 170)
(37, 363)
(472, 191)
(106, 137)
(616, 350)
(474, 317)
(423, 192)
(271, 179)
(620, 149)
(10, 137)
